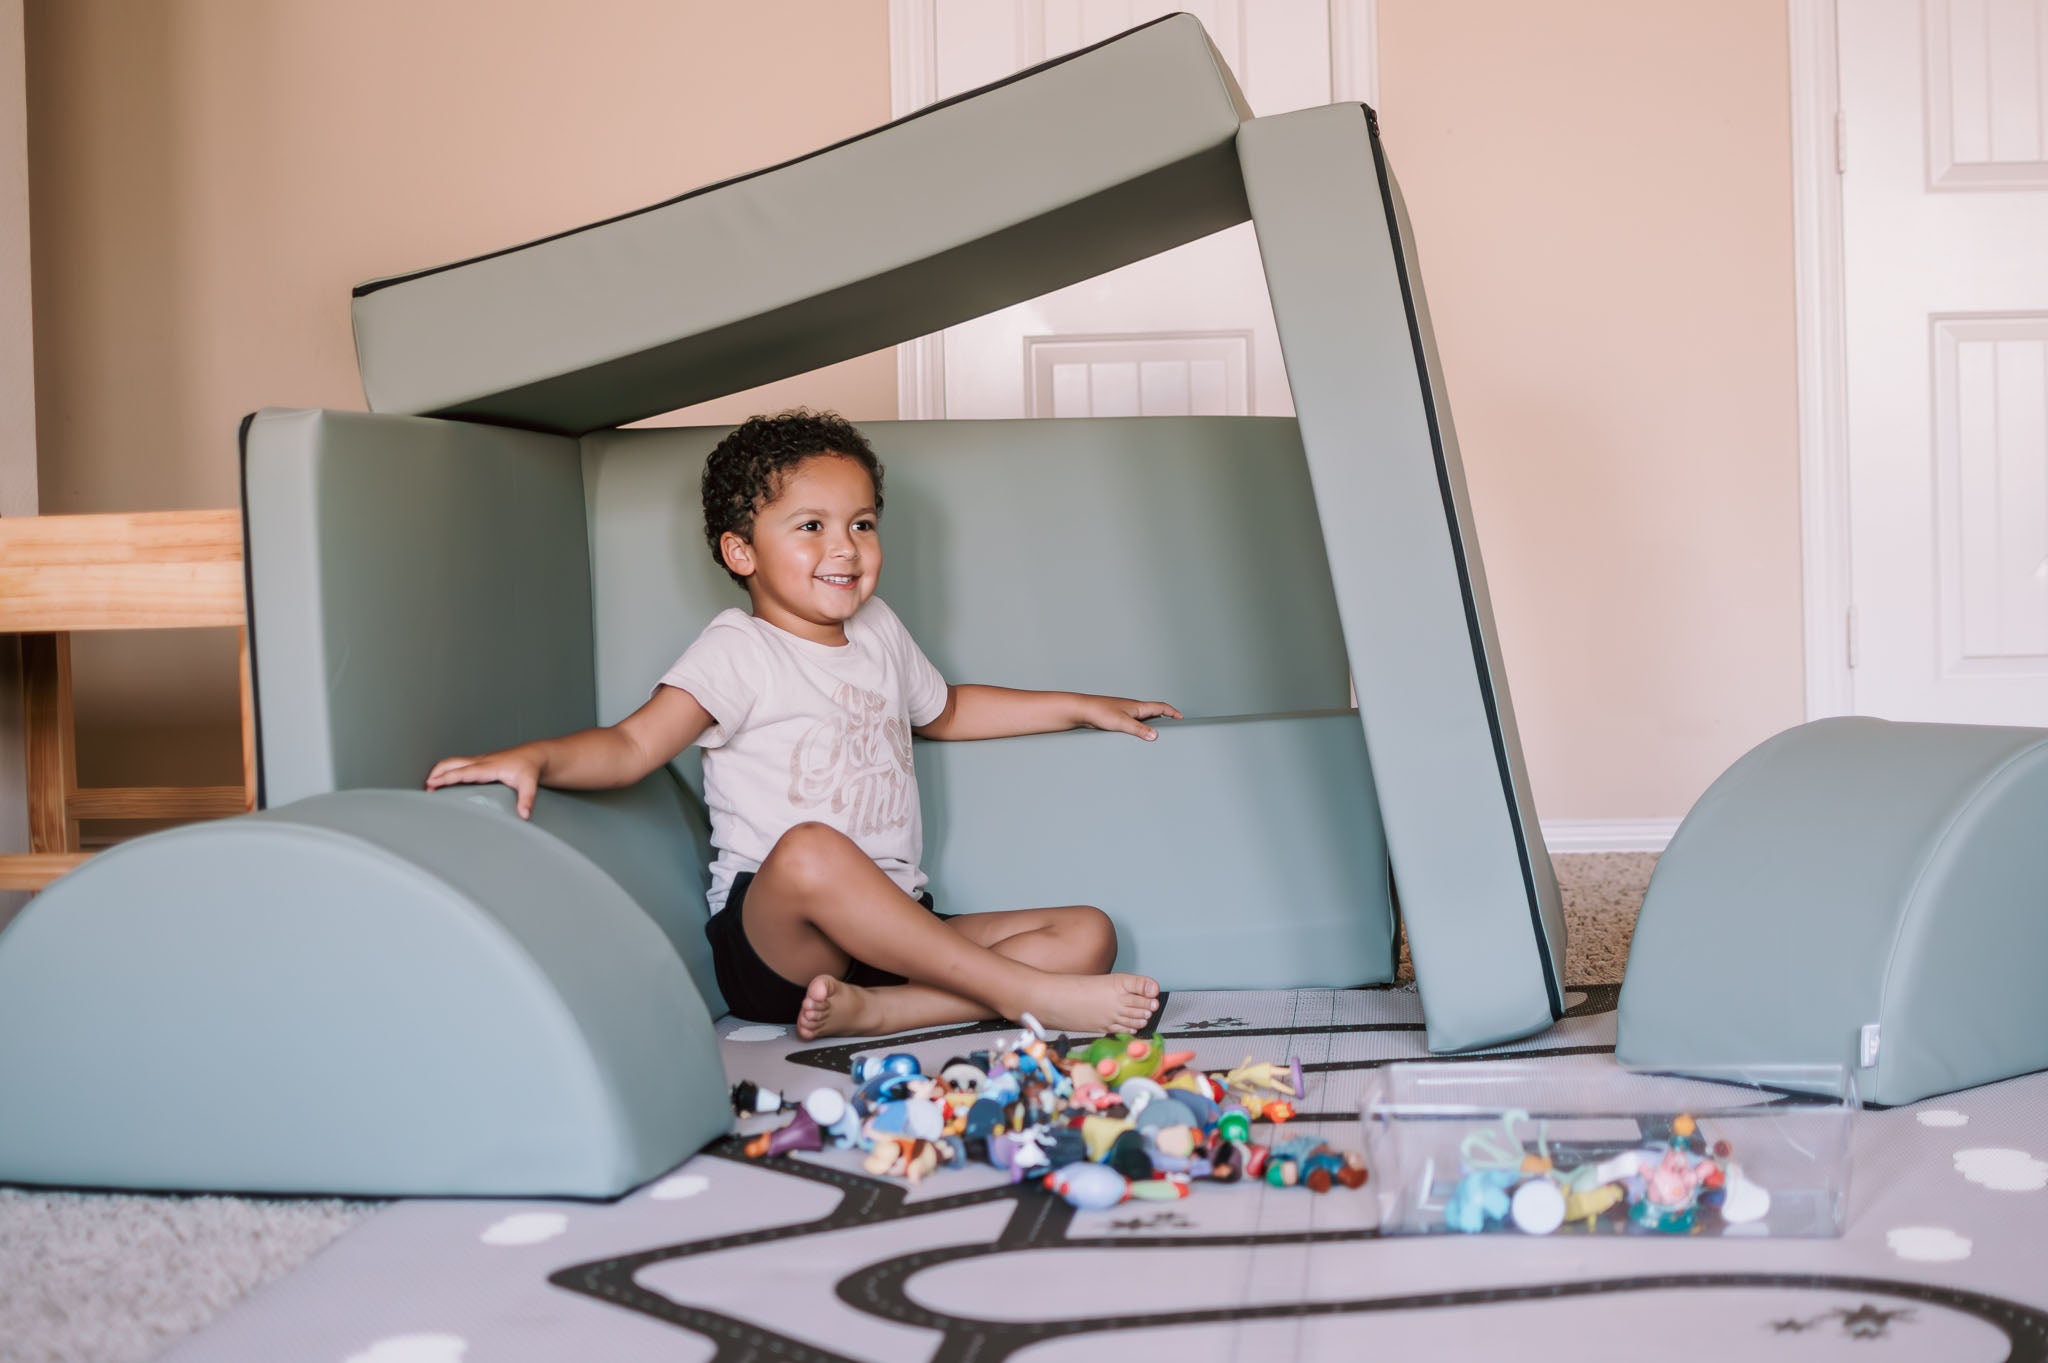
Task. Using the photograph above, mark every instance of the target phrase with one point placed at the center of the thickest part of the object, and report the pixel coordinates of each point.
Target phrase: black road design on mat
(971, 1340)
(867, 1202)
(1041, 1222)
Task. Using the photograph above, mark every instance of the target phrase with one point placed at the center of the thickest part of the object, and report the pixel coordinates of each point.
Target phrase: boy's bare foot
(832, 1007)
(1095, 1003)
(1065, 1003)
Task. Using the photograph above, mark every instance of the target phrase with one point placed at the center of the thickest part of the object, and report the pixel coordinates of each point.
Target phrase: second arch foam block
(1855, 874)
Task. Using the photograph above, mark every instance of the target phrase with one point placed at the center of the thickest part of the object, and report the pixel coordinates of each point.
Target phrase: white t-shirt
(811, 732)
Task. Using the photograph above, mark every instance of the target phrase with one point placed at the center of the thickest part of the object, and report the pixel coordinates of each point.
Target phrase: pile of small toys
(1669, 1185)
(1114, 1119)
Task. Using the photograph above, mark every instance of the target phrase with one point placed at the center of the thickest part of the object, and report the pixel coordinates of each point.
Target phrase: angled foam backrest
(1858, 892)
(1174, 557)
(1485, 922)
(1086, 163)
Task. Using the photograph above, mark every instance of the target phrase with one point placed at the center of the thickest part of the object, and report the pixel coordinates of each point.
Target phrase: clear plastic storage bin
(1597, 1149)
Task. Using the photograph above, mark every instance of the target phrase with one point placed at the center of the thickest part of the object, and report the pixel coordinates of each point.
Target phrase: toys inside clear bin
(1598, 1149)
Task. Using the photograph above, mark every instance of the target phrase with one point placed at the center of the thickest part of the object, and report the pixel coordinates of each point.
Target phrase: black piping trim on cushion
(249, 608)
(366, 289)
(1443, 480)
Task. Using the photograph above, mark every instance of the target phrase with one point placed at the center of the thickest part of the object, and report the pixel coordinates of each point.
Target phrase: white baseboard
(1608, 835)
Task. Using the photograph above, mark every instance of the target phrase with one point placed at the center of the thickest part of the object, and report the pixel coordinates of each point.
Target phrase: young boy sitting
(805, 710)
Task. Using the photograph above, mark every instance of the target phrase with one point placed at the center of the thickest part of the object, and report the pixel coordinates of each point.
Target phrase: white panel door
(1188, 332)
(1945, 242)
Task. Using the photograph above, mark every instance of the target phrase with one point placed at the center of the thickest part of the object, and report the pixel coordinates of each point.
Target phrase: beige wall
(210, 177)
(1600, 189)
(17, 347)
(1601, 192)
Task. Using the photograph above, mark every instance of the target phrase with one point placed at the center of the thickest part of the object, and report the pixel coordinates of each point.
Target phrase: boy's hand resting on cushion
(1118, 715)
(998, 712)
(590, 759)
(514, 767)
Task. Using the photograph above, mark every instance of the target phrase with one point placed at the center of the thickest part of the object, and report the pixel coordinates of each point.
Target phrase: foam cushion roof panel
(1058, 173)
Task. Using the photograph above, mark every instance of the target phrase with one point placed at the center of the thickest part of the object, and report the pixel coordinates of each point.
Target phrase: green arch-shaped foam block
(1852, 873)
(369, 992)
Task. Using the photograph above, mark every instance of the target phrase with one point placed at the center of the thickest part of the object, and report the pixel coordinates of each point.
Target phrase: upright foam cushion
(1169, 558)
(420, 590)
(1485, 923)
(1851, 874)
(1075, 167)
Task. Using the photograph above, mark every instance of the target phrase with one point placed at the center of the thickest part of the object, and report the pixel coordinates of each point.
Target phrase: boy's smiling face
(816, 550)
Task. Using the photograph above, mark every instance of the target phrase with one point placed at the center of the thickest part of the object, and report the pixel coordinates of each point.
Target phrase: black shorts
(752, 989)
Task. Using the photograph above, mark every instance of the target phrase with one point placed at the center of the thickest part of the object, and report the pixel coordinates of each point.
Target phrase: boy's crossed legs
(818, 902)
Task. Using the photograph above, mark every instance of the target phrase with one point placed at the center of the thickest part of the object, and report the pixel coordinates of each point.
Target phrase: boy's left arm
(999, 712)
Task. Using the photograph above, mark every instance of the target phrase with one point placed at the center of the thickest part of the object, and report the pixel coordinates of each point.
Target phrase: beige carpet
(1602, 891)
(114, 1278)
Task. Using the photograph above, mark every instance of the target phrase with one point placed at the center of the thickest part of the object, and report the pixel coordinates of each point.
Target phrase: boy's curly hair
(746, 469)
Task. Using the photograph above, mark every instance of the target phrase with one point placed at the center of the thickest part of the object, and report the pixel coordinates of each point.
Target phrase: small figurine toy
(1673, 1184)
(1480, 1200)
(1307, 1162)
(1121, 1056)
(1097, 1187)
(1265, 1088)
(800, 1132)
(750, 1100)
(1089, 1187)
(1743, 1201)
(1537, 1207)
(897, 1157)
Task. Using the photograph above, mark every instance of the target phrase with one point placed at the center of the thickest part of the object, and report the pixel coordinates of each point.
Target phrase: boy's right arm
(595, 759)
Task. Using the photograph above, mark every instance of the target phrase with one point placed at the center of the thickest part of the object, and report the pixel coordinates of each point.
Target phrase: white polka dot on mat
(759, 1032)
(2006, 1171)
(526, 1228)
(1942, 1116)
(414, 1349)
(678, 1186)
(1927, 1244)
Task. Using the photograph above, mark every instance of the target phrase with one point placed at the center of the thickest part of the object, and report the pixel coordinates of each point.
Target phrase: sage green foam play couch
(363, 988)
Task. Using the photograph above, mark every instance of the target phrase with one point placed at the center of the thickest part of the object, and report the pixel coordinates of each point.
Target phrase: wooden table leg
(52, 760)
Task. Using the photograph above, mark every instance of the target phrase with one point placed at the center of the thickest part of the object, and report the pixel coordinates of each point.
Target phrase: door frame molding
(914, 83)
(1820, 302)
